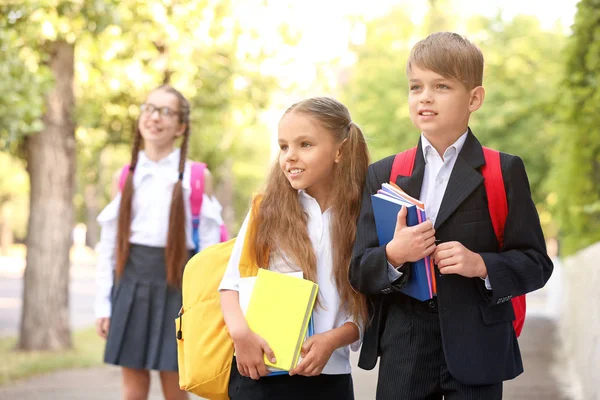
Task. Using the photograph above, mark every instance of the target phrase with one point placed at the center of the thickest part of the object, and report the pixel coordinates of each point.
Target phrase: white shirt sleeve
(356, 345)
(231, 278)
(210, 221)
(106, 257)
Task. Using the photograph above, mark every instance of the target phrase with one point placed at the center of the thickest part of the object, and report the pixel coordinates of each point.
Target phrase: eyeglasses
(148, 109)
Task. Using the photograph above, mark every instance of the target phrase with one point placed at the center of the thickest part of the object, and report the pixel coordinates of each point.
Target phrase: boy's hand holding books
(454, 258)
(410, 244)
(250, 349)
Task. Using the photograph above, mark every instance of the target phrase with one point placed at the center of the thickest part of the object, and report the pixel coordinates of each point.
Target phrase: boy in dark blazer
(461, 344)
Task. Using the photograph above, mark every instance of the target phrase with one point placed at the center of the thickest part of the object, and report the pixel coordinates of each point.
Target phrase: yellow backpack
(204, 347)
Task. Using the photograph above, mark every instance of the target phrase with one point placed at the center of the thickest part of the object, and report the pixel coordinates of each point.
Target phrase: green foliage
(14, 188)
(377, 89)
(25, 31)
(522, 74)
(23, 82)
(577, 171)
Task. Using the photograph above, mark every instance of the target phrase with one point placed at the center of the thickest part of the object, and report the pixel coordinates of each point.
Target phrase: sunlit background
(241, 63)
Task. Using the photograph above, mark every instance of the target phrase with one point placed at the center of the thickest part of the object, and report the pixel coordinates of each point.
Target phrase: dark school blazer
(480, 346)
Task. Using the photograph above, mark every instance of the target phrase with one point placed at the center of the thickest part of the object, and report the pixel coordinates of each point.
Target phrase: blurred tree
(439, 17)
(577, 168)
(523, 69)
(44, 35)
(375, 89)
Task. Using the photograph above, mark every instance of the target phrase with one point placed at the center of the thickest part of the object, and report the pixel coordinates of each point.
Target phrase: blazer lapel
(464, 179)
(412, 184)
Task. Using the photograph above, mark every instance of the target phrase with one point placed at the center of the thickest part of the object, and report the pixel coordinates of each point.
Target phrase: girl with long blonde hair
(306, 221)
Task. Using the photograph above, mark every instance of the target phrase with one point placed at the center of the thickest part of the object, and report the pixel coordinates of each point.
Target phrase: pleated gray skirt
(144, 308)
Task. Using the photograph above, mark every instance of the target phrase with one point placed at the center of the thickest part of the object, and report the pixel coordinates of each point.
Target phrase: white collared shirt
(331, 314)
(436, 177)
(437, 174)
(435, 181)
(151, 205)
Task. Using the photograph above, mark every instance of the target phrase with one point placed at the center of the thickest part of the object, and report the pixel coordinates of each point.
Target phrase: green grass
(87, 352)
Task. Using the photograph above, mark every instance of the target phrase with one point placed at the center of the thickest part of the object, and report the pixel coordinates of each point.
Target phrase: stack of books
(278, 308)
(387, 203)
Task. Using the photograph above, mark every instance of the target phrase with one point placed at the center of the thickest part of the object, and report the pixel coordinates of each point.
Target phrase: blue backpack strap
(196, 196)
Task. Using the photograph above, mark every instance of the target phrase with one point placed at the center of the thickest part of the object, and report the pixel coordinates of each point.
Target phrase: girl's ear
(338, 153)
(181, 130)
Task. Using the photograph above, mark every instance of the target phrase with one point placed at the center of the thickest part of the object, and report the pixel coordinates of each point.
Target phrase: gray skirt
(144, 308)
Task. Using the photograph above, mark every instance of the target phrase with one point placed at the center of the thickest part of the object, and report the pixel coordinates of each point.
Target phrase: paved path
(103, 383)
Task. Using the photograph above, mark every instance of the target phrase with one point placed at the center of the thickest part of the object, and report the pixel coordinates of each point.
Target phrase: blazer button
(431, 303)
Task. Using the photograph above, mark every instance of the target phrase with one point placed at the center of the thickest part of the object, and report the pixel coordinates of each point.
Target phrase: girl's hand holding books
(249, 350)
(316, 351)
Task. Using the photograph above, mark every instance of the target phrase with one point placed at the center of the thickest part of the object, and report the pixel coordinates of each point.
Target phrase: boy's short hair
(450, 55)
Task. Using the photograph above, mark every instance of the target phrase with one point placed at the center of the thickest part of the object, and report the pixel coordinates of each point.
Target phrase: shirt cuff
(102, 307)
(488, 285)
(393, 272)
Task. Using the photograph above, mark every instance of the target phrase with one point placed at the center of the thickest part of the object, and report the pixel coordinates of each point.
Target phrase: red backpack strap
(498, 208)
(197, 187)
(496, 194)
(123, 176)
(403, 164)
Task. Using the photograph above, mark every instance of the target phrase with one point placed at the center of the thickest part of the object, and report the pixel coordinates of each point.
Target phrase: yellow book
(279, 311)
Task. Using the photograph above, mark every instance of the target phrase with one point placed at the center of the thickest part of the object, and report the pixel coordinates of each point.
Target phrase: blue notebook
(385, 210)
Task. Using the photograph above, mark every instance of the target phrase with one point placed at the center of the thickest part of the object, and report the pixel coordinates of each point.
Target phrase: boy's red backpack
(196, 196)
(497, 205)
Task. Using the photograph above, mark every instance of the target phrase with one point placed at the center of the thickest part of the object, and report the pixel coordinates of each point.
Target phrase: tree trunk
(51, 168)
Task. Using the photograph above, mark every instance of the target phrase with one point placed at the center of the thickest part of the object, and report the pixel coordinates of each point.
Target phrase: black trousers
(285, 387)
(412, 364)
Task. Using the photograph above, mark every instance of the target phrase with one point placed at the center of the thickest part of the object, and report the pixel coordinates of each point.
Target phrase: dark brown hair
(287, 230)
(450, 55)
(176, 252)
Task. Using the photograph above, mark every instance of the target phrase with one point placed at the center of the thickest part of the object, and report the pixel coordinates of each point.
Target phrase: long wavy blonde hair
(287, 231)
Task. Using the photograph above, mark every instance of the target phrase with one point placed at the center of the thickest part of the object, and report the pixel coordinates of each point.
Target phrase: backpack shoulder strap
(496, 193)
(196, 196)
(197, 187)
(498, 209)
(403, 164)
(123, 176)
